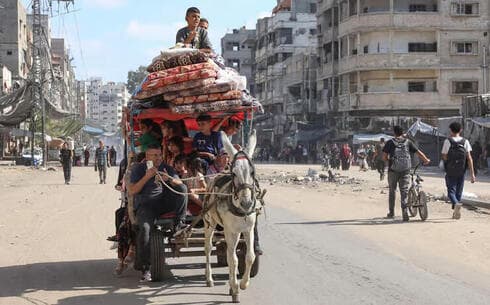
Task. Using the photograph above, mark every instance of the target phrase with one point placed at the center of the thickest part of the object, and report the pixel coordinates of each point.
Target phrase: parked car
(27, 157)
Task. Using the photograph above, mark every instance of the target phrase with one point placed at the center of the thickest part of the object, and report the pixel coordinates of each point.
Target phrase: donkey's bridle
(235, 189)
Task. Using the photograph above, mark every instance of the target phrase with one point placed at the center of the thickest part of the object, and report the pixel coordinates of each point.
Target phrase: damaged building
(390, 61)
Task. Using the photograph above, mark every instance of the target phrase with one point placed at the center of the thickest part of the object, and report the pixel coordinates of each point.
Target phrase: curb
(476, 203)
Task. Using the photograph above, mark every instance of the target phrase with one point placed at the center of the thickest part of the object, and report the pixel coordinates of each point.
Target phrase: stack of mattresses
(187, 81)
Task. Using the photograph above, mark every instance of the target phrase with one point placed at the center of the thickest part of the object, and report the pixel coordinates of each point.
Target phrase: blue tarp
(92, 130)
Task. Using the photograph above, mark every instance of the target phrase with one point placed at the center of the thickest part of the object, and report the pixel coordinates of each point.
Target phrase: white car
(27, 157)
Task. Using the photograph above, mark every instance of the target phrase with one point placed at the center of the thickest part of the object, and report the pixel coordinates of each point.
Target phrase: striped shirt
(101, 156)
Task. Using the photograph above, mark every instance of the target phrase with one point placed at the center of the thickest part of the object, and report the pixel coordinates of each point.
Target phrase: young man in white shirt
(456, 153)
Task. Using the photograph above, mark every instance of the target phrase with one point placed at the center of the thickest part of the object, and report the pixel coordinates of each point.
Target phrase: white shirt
(447, 145)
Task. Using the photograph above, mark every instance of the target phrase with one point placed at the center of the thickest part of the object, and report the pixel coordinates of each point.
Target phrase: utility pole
(37, 73)
(40, 45)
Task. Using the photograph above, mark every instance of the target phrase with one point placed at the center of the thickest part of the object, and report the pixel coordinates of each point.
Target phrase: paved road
(305, 262)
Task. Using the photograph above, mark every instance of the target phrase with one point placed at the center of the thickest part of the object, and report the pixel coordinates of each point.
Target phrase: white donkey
(235, 213)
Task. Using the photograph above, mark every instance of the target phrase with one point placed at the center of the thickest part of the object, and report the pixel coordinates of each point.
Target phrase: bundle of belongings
(189, 81)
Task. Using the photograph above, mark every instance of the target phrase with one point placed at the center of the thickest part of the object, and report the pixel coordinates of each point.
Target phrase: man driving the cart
(153, 199)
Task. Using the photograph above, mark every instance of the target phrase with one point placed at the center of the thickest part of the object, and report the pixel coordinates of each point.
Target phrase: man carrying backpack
(397, 152)
(456, 153)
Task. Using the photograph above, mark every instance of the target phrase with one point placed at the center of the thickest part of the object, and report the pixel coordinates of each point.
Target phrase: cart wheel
(241, 252)
(411, 200)
(221, 254)
(157, 241)
(424, 211)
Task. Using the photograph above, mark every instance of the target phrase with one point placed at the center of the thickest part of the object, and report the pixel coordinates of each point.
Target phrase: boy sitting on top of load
(192, 35)
(207, 143)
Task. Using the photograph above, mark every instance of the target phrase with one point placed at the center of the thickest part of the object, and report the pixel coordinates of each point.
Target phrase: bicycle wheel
(411, 202)
(423, 210)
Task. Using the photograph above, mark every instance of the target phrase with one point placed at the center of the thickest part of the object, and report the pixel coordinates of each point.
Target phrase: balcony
(393, 101)
(387, 61)
(375, 20)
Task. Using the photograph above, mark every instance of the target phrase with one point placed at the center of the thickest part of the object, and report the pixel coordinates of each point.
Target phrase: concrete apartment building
(64, 75)
(238, 50)
(389, 61)
(15, 38)
(282, 39)
(105, 103)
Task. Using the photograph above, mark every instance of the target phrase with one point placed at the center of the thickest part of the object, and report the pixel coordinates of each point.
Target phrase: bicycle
(417, 198)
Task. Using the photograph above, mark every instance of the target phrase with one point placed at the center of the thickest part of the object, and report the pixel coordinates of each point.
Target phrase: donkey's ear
(252, 142)
(227, 145)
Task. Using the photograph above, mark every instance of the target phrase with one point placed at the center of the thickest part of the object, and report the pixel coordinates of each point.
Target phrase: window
(416, 86)
(312, 8)
(465, 9)
(9, 52)
(236, 46)
(417, 8)
(465, 87)
(366, 49)
(465, 48)
(312, 31)
(422, 47)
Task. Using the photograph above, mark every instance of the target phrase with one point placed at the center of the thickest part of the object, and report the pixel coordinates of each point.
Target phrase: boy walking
(397, 152)
(456, 153)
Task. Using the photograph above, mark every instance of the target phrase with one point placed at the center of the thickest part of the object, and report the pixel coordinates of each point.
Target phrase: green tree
(135, 78)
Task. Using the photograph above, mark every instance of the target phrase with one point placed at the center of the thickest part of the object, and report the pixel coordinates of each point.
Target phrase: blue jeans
(455, 188)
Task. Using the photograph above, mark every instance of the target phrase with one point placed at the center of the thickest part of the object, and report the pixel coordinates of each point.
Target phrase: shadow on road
(92, 282)
(366, 222)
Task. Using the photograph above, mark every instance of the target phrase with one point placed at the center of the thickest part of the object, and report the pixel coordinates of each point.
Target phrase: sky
(107, 38)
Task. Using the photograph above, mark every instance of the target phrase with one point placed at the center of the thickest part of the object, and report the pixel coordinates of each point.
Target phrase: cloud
(251, 23)
(106, 4)
(153, 31)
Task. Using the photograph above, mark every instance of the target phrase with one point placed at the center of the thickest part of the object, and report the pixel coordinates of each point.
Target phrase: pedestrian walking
(101, 162)
(456, 153)
(86, 156)
(346, 155)
(112, 156)
(361, 158)
(397, 152)
(66, 158)
(379, 162)
(476, 154)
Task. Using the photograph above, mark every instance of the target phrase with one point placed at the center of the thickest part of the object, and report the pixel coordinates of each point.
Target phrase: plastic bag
(229, 75)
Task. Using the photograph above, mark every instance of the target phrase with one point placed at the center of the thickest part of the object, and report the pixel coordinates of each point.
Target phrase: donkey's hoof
(235, 298)
(243, 285)
(210, 283)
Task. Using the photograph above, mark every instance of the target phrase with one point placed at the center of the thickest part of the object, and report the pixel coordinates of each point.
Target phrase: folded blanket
(210, 89)
(212, 97)
(163, 62)
(178, 78)
(179, 70)
(228, 105)
(145, 94)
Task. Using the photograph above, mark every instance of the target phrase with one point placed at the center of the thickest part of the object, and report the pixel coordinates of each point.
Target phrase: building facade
(238, 50)
(15, 39)
(281, 77)
(105, 102)
(383, 62)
